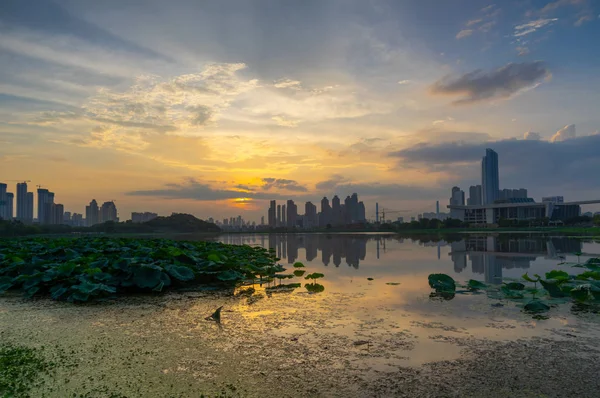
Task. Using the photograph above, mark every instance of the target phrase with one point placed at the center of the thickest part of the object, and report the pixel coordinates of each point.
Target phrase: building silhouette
(92, 213)
(278, 222)
(490, 179)
(24, 204)
(108, 212)
(292, 214)
(475, 195)
(45, 202)
(283, 216)
(271, 215)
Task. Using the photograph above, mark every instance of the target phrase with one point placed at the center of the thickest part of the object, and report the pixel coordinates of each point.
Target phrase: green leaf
(299, 272)
(557, 275)
(515, 286)
(553, 287)
(314, 287)
(180, 272)
(595, 275)
(229, 275)
(393, 283)
(536, 307)
(314, 275)
(5, 283)
(472, 284)
(581, 293)
(147, 276)
(442, 283)
(298, 264)
(529, 279)
(214, 257)
(511, 294)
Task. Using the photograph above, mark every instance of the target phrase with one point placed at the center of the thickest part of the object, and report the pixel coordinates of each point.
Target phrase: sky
(215, 107)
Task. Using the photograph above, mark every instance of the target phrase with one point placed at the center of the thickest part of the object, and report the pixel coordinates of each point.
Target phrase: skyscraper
(325, 215)
(24, 214)
(45, 200)
(283, 215)
(311, 219)
(278, 215)
(336, 211)
(292, 214)
(3, 201)
(29, 207)
(108, 212)
(8, 211)
(92, 213)
(490, 179)
(475, 195)
(271, 214)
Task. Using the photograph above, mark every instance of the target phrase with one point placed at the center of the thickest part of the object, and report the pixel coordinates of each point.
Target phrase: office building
(490, 178)
(92, 213)
(310, 219)
(325, 215)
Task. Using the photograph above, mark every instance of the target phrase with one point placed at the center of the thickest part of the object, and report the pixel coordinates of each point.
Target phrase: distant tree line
(174, 223)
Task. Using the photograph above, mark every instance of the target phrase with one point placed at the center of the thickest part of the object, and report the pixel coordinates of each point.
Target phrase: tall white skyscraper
(490, 179)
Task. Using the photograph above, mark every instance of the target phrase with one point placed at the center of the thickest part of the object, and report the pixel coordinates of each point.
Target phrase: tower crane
(388, 211)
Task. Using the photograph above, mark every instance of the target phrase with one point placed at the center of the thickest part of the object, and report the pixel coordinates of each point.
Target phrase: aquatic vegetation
(557, 286)
(393, 283)
(82, 269)
(20, 368)
(314, 287)
(314, 275)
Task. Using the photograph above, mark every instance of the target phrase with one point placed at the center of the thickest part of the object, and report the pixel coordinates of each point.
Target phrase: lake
(358, 337)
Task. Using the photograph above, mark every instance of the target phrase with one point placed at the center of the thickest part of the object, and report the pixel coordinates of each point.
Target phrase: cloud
(404, 82)
(541, 165)
(331, 183)
(561, 3)
(279, 183)
(474, 22)
(288, 83)
(201, 191)
(583, 19)
(522, 50)
(283, 121)
(530, 27)
(530, 135)
(502, 83)
(464, 33)
(566, 133)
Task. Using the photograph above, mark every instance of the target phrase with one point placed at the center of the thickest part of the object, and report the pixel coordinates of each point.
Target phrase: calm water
(162, 345)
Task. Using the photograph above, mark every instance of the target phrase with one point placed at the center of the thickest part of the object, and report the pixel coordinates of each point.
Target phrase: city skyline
(183, 109)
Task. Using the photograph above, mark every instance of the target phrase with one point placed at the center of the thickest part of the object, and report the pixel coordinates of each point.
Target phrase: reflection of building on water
(334, 248)
(489, 255)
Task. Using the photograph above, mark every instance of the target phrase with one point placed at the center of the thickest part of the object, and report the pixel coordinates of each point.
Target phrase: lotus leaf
(180, 272)
(442, 283)
(314, 287)
(475, 285)
(536, 307)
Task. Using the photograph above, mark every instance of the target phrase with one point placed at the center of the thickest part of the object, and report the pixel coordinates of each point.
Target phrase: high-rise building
(362, 212)
(108, 212)
(336, 212)
(272, 215)
(513, 194)
(24, 213)
(457, 199)
(262, 220)
(279, 215)
(3, 201)
(490, 179)
(58, 214)
(29, 207)
(45, 201)
(292, 214)
(92, 213)
(311, 219)
(475, 195)
(77, 220)
(325, 215)
(10, 199)
(283, 216)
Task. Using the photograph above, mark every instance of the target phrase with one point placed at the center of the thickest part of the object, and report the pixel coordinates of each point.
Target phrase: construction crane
(383, 211)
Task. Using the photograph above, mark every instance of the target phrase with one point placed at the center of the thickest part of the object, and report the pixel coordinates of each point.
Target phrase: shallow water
(297, 343)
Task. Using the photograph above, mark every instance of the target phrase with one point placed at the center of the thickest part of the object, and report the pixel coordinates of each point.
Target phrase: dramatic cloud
(537, 164)
(530, 135)
(565, 133)
(279, 183)
(200, 191)
(530, 27)
(331, 183)
(464, 33)
(503, 82)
